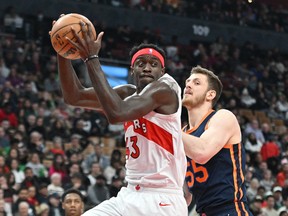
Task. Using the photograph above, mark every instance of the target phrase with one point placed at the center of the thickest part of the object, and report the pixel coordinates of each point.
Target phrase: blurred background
(47, 146)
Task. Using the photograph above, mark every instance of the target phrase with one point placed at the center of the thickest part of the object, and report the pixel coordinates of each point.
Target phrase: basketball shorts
(139, 201)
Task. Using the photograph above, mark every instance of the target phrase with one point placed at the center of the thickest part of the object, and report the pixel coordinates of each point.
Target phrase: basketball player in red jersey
(212, 142)
(150, 111)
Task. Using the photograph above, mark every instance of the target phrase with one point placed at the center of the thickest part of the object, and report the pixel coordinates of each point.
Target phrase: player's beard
(192, 102)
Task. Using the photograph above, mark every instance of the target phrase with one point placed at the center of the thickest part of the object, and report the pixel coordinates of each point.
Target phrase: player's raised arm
(147, 67)
(74, 93)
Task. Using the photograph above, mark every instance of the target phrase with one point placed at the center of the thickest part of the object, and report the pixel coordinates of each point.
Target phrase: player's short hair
(70, 191)
(146, 45)
(214, 82)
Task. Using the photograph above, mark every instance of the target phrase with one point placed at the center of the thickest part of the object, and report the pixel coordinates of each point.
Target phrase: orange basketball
(62, 29)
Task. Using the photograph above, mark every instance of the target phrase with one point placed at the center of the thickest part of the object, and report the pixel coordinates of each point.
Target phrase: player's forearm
(67, 72)
(70, 84)
(73, 92)
(111, 102)
(194, 148)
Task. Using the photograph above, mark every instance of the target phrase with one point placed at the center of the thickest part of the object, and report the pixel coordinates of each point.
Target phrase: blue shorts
(239, 209)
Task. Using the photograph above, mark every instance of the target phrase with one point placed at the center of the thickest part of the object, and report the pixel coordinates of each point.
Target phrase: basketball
(62, 29)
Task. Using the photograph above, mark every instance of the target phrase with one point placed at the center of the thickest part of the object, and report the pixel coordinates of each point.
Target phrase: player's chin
(186, 102)
(73, 212)
(144, 82)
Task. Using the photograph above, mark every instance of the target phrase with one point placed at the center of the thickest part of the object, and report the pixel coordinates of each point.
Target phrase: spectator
(7, 114)
(32, 197)
(78, 182)
(23, 209)
(94, 172)
(37, 167)
(253, 127)
(96, 156)
(246, 99)
(43, 193)
(282, 212)
(4, 169)
(43, 210)
(73, 168)
(99, 192)
(30, 178)
(39, 126)
(9, 96)
(269, 209)
(282, 175)
(282, 105)
(284, 144)
(260, 167)
(266, 130)
(56, 185)
(57, 147)
(252, 144)
(252, 189)
(267, 182)
(22, 197)
(51, 84)
(270, 152)
(79, 128)
(277, 193)
(54, 203)
(256, 206)
(36, 144)
(111, 170)
(76, 146)
(12, 20)
(18, 173)
(115, 186)
(4, 140)
(13, 153)
(58, 166)
(285, 205)
(2, 208)
(4, 70)
(76, 157)
(59, 129)
(8, 192)
(15, 78)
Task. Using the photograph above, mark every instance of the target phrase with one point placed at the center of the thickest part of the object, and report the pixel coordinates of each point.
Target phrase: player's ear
(163, 70)
(211, 94)
(132, 70)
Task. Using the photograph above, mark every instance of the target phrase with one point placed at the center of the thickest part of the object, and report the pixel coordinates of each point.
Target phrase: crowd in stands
(254, 14)
(47, 146)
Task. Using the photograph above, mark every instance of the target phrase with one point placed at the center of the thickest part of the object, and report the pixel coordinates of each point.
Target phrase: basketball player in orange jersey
(212, 142)
(150, 111)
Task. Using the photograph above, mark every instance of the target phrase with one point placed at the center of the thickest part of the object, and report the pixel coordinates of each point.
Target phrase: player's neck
(196, 115)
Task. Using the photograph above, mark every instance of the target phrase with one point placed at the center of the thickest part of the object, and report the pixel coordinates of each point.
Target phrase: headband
(148, 51)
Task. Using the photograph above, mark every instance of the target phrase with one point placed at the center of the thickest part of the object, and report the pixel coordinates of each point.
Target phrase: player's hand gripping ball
(62, 29)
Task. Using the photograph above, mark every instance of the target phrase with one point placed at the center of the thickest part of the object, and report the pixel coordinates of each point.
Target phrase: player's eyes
(154, 64)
